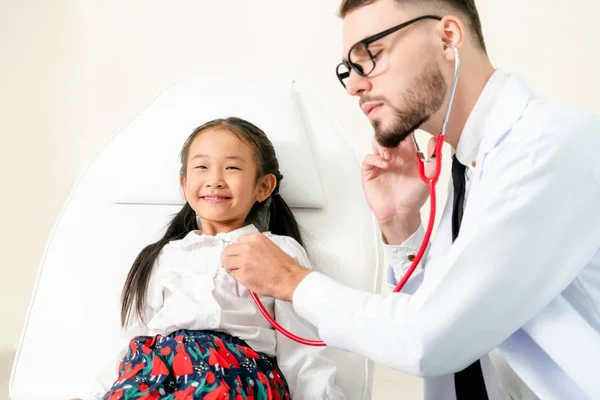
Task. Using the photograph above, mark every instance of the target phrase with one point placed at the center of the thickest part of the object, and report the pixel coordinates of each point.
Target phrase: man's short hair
(465, 7)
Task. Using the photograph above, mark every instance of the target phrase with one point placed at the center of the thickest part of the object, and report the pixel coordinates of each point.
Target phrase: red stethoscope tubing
(280, 328)
(431, 181)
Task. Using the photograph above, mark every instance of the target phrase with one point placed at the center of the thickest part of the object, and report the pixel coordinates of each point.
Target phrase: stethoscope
(431, 181)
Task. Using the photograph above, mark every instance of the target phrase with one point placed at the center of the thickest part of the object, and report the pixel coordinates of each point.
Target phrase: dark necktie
(469, 383)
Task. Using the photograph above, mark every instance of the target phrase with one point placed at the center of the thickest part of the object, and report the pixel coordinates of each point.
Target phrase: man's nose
(357, 84)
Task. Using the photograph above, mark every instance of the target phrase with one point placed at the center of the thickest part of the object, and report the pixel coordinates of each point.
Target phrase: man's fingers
(381, 151)
(230, 261)
(230, 268)
(234, 249)
(430, 167)
(431, 146)
(249, 238)
(234, 274)
(374, 161)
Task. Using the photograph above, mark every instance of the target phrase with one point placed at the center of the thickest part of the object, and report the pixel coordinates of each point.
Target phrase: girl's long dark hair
(273, 214)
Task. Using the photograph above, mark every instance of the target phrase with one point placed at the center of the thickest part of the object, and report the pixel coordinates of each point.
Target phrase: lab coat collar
(195, 237)
(507, 110)
(474, 129)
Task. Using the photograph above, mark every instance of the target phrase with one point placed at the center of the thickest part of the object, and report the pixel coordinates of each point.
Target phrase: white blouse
(188, 289)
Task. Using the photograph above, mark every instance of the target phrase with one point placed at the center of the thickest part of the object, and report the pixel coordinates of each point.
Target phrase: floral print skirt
(186, 365)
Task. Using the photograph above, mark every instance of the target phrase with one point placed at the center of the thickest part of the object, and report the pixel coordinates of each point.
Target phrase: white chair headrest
(147, 172)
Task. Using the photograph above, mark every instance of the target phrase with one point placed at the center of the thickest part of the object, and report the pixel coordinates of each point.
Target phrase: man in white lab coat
(507, 300)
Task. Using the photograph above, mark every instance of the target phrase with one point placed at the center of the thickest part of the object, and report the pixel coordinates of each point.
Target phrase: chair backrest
(128, 194)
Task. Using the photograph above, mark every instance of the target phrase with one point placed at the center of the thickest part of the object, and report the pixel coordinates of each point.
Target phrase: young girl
(196, 332)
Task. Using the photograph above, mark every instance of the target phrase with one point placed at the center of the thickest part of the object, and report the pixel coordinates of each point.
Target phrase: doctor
(507, 299)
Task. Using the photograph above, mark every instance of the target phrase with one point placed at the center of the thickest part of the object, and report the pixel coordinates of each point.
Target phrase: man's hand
(393, 189)
(262, 267)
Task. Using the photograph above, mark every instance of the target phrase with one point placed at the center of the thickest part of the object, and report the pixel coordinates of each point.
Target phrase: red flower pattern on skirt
(189, 365)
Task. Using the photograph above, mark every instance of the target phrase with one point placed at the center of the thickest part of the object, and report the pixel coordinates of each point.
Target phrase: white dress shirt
(523, 276)
(188, 289)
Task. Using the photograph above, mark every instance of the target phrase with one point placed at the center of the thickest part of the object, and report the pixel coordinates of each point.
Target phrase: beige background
(72, 72)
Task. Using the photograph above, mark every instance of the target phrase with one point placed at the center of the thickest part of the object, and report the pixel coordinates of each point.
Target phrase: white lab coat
(523, 276)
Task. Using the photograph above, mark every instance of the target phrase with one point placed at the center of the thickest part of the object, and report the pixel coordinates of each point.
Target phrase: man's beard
(423, 98)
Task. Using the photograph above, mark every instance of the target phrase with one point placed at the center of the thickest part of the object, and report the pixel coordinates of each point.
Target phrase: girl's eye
(376, 55)
(232, 168)
(201, 167)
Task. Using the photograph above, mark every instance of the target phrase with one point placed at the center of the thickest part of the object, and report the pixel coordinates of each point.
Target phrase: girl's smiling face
(221, 180)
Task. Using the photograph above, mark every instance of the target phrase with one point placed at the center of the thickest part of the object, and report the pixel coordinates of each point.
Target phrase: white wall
(72, 72)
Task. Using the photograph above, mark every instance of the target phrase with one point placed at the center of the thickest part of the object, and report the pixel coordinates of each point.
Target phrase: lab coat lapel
(508, 109)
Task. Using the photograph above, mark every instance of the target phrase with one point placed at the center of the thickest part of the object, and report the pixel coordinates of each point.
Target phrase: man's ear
(452, 32)
(265, 187)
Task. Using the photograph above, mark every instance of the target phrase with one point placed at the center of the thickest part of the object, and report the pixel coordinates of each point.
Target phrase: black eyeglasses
(360, 57)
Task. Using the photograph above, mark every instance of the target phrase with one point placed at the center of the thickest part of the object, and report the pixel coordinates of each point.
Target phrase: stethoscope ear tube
(431, 181)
